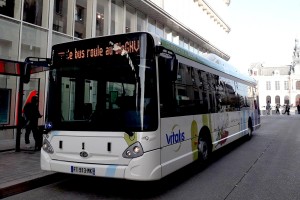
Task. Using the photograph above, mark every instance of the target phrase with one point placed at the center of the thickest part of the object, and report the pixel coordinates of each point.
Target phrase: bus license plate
(82, 170)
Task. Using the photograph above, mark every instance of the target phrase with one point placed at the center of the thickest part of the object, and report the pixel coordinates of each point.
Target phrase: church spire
(296, 55)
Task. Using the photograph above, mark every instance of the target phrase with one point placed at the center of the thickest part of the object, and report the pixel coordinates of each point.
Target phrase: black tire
(204, 148)
(250, 129)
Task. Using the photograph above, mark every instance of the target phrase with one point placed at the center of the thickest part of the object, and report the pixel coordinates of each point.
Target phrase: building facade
(29, 28)
(279, 84)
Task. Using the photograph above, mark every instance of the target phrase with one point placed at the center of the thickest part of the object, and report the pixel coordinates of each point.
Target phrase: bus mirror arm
(37, 61)
(33, 61)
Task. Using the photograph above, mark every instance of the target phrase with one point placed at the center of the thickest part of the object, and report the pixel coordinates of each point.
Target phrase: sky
(263, 31)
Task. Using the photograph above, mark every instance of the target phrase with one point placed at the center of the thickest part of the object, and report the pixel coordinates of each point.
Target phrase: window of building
(186, 43)
(277, 100)
(151, 25)
(277, 85)
(286, 85)
(9, 42)
(58, 4)
(60, 38)
(181, 43)
(117, 17)
(102, 18)
(141, 21)
(34, 42)
(196, 49)
(191, 47)
(175, 38)
(79, 13)
(276, 72)
(298, 85)
(159, 29)
(255, 73)
(268, 85)
(33, 12)
(130, 19)
(268, 99)
(286, 100)
(297, 100)
(168, 34)
(80, 19)
(62, 17)
(10, 8)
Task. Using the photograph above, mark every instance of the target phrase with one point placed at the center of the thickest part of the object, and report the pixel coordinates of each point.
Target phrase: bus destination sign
(132, 46)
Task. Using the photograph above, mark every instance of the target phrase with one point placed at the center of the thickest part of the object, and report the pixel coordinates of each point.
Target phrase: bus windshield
(111, 87)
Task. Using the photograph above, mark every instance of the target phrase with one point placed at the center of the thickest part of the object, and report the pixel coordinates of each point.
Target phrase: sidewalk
(293, 111)
(20, 171)
(10, 144)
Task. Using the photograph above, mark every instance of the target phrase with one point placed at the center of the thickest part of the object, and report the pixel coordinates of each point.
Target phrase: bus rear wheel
(203, 149)
(250, 129)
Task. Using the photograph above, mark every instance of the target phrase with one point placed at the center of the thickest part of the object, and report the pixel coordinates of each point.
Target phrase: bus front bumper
(146, 167)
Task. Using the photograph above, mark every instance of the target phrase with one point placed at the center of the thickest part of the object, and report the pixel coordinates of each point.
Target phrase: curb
(26, 185)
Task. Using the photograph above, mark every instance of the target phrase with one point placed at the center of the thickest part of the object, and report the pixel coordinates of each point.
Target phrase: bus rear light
(47, 147)
(133, 151)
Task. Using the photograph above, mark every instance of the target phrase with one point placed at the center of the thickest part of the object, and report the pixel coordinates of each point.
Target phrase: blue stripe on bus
(111, 170)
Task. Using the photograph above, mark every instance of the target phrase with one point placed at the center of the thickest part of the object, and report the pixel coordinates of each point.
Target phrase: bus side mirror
(26, 74)
(174, 70)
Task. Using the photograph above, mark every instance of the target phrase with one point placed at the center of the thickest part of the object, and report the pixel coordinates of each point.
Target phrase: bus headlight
(48, 125)
(47, 147)
(133, 151)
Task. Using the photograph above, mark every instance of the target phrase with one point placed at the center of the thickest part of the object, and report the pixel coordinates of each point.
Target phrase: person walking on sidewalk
(287, 109)
(277, 109)
(32, 114)
(298, 108)
(268, 108)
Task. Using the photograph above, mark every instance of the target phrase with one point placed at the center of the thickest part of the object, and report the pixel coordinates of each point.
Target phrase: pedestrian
(32, 114)
(268, 108)
(298, 108)
(287, 109)
(277, 109)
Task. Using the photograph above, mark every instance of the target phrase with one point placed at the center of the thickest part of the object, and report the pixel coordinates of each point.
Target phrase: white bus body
(155, 151)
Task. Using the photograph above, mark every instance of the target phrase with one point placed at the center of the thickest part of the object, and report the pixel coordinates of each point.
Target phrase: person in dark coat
(32, 114)
(287, 109)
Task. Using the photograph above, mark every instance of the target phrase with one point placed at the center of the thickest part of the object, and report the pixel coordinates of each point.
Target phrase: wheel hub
(203, 149)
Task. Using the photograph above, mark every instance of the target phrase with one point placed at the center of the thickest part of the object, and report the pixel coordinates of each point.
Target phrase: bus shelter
(17, 82)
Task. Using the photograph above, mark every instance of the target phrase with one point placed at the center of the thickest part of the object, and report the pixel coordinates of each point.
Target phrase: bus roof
(221, 66)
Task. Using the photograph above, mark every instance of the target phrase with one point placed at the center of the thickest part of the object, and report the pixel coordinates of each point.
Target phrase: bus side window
(87, 110)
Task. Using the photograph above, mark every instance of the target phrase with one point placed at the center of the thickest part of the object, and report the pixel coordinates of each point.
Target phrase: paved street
(266, 167)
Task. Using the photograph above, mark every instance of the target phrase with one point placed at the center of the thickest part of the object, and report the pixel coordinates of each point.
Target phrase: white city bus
(135, 106)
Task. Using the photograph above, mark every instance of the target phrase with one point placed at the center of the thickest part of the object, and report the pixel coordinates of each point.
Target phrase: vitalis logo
(174, 138)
